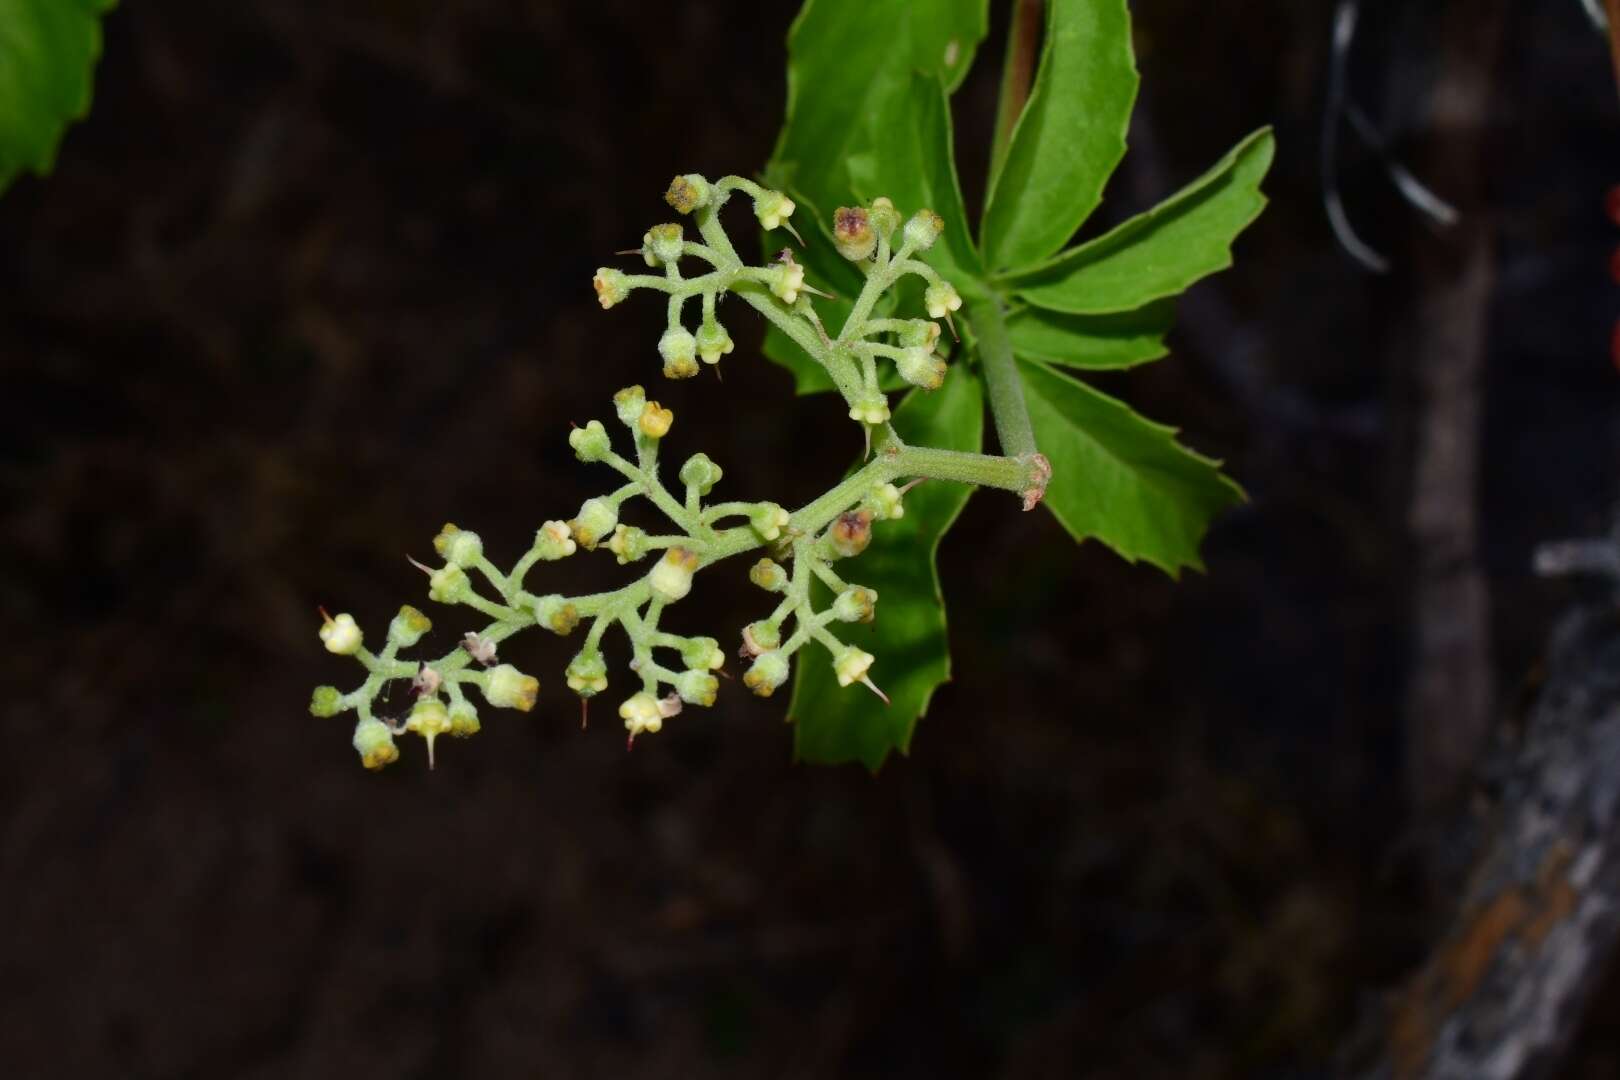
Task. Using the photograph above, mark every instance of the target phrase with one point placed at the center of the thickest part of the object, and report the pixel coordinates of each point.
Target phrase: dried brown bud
(852, 233)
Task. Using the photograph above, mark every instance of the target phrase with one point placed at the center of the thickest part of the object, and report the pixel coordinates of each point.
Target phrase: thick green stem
(1007, 406)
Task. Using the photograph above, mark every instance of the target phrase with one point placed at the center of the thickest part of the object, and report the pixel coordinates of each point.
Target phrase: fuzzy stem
(1013, 429)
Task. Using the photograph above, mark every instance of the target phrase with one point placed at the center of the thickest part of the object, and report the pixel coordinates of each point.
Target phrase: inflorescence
(811, 540)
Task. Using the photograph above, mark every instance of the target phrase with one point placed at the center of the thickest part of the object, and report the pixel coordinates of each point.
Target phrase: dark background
(313, 279)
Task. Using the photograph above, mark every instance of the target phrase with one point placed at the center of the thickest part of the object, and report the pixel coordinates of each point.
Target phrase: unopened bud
(505, 687)
(587, 673)
(611, 286)
(919, 366)
(671, 578)
(855, 604)
(885, 502)
(923, 229)
(325, 701)
(785, 279)
(768, 671)
(700, 472)
(628, 403)
(759, 637)
(449, 585)
(713, 342)
(873, 408)
(697, 687)
(662, 244)
(919, 332)
(375, 743)
(768, 575)
(679, 350)
(850, 533)
(641, 713)
(885, 218)
(851, 665)
(768, 520)
(556, 614)
(655, 420)
(554, 540)
(773, 208)
(464, 720)
(702, 654)
(594, 522)
(407, 628)
(591, 442)
(458, 546)
(940, 299)
(629, 544)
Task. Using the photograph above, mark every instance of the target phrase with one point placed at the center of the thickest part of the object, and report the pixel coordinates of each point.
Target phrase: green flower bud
(923, 229)
(713, 342)
(554, 540)
(407, 628)
(591, 442)
(702, 654)
(449, 585)
(679, 350)
(341, 635)
(655, 420)
(700, 472)
(759, 637)
(641, 713)
(768, 575)
(629, 544)
(671, 578)
(768, 520)
(594, 522)
(611, 286)
(885, 218)
(464, 720)
(457, 546)
(375, 743)
(855, 604)
(662, 244)
(849, 533)
(556, 614)
(628, 403)
(919, 332)
(853, 235)
(505, 687)
(325, 701)
(885, 502)
(920, 367)
(785, 279)
(687, 193)
(873, 408)
(587, 673)
(768, 671)
(851, 665)
(940, 299)
(697, 687)
(773, 208)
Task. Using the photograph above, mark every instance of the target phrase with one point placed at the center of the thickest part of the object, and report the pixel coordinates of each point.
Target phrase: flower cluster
(670, 671)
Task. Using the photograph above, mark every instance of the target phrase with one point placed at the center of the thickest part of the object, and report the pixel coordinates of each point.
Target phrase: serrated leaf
(1094, 342)
(834, 724)
(845, 61)
(1070, 136)
(1163, 251)
(912, 161)
(48, 52)
(1120, 478)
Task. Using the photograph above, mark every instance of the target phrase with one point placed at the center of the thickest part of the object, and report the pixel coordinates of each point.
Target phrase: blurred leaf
(48, 52)
(834, 724)
(1121, 478)
(1097, 342)
(912, 161)
(1161, 252)
(1070, 136)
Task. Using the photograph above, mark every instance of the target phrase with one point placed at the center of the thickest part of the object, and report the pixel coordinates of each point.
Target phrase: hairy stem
(1013, 429)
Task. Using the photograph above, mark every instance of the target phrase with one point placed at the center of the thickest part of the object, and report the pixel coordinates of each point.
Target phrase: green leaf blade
(1093, 342)
(837, 725)
(1120, 478)
(48, 52)
(1161, 252)
(1070, 136)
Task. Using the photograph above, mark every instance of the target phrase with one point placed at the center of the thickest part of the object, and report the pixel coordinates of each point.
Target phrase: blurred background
(314, 279)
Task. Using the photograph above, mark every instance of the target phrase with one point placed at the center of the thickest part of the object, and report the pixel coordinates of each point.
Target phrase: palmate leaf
(1161, 252)
(1120, 478)
(48, 52)
(834, 724)
(1069, 137)
(1093, 342)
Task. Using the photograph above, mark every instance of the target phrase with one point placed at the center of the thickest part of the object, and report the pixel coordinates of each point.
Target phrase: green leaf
(1070, 136)
(912, 161)
(1095, 342)
(48, 51)
(1120, 478)
(1161, 252)
(845, 61)
(836, 724)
